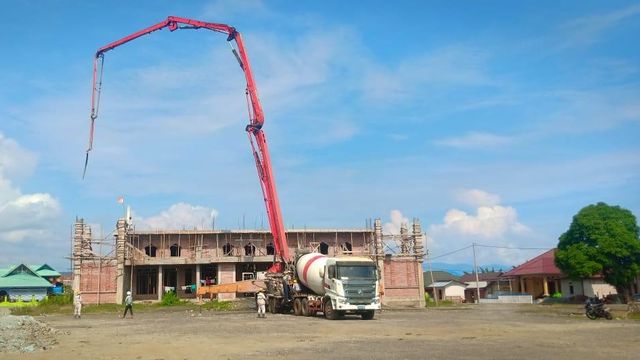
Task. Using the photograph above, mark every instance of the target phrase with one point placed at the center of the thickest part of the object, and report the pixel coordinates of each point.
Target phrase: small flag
(120, 200)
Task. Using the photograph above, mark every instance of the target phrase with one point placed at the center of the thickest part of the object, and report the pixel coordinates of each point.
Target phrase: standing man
(128, 302)
(261, 300)
(77, 305)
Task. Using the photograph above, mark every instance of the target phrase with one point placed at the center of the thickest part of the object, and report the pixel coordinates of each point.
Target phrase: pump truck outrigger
(334, 286)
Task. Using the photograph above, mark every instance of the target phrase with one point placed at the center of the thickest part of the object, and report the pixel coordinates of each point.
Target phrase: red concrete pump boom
(254, 128)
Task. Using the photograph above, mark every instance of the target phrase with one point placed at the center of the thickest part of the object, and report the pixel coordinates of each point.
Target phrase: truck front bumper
(343, 305)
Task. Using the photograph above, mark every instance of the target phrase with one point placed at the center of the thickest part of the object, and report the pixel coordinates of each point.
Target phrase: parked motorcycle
(594, 308)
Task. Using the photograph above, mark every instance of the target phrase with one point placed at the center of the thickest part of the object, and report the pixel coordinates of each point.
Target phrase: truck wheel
(329, 312)
(305, 307)
(297, 307)
(368, 315)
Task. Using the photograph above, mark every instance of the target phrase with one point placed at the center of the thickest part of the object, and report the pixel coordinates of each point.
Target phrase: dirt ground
(473, 332)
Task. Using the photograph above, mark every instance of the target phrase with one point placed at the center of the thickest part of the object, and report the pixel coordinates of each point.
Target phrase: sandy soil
(475, 332)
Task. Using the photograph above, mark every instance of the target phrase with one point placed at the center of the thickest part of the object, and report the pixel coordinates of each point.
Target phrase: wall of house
(401, 282)
(98, 282)
(456, 291)
(566, 286)
(214, 245)
(25, 294)
(598, 287)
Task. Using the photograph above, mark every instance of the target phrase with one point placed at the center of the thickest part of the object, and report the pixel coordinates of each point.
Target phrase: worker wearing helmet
(128, 302)
(77, 305)
(261, 301)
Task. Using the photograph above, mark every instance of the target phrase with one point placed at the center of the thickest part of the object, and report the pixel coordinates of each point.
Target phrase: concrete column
(404, 239)
(379, 252)
(522, 289)
(121, 237)
(76, 256)
(160, 283)
(197, 277)
(545, 286)
(226, 275)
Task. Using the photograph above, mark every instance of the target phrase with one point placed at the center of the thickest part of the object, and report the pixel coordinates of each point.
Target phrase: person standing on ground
(77, 305)
(261, 300)
(128, 305)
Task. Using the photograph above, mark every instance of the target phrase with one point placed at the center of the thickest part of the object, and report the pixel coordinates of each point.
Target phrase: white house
(452, 290)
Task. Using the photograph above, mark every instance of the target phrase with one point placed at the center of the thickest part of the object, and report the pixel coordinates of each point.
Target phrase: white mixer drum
(308, 269)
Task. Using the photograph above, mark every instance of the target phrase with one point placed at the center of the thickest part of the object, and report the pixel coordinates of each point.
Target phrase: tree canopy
(601, 239)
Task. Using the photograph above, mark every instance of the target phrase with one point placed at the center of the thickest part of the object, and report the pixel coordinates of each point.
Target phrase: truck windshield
(356, 272)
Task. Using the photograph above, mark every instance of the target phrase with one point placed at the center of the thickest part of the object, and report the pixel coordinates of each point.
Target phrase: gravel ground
(470, 332)
(25, 334)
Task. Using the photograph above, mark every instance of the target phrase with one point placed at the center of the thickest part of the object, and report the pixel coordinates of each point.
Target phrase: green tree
(602, 239)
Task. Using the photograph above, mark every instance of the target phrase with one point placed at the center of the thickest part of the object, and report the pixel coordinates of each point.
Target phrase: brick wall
(401, 285)
(98, 281)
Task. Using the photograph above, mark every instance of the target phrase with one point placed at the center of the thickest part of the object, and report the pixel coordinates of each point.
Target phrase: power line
(513, 247)
(452, 252)
(489, 246)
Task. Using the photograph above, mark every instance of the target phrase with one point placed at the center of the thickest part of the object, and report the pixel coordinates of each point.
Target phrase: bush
(171, 299)
(65, 298)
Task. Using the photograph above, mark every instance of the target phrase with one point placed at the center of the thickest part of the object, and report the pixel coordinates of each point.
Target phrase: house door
(171, 278)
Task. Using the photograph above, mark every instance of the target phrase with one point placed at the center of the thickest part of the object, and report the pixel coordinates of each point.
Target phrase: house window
(150, 250)
(175, 250)
(346, 247)
(324, 248)
(270, 249)
(570, 289)
(227, 249)
(250, 250)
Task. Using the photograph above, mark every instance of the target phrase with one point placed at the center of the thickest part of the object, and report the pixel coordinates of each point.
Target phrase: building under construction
(149, 263)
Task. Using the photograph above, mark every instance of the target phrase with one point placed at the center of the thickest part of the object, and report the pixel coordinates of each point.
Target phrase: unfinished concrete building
(149, 263)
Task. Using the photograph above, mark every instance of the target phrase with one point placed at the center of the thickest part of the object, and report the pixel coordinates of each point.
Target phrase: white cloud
(488, 222)
(15, 161)
(179, 216)
(397, 220)
(23, 216)
(491, 224)
(449, 66)
(589, 29)
(476, 140)
(476, 197)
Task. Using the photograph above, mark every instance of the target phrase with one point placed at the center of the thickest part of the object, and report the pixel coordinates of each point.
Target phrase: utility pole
(433, 285)
(475, 269)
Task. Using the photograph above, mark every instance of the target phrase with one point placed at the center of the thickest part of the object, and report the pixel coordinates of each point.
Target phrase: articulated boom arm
(254, 128)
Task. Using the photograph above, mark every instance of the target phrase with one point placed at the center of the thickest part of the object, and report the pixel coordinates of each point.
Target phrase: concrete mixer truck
(333, 286)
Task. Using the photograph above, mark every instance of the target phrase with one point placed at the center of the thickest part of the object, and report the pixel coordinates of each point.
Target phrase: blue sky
(492, 122)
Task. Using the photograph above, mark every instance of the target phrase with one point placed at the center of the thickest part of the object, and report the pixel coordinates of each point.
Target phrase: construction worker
(261, 301)
(128, 304)
(77, 305)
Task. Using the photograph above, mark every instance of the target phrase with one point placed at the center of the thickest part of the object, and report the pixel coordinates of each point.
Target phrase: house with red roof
(540, 277)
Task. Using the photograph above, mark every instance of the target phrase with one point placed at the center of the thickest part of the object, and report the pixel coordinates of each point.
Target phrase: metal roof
(21, 276)
(543, 264)
(441, 284)
(45, 270)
